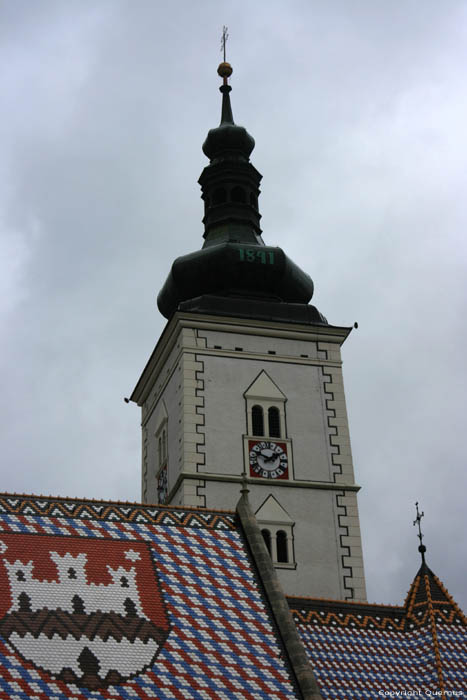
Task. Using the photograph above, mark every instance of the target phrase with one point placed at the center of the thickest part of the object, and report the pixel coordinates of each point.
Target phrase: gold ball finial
(225, 69)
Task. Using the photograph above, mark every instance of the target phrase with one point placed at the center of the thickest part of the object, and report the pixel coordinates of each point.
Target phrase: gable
(272, 511)
(264, 388)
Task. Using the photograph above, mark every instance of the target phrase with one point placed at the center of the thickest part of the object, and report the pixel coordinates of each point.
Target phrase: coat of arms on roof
(86, 611)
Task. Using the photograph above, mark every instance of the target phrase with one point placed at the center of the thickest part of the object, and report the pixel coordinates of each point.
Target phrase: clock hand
(270, 458)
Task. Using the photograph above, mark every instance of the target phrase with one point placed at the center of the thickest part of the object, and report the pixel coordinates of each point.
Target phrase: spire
(226, 115)
(234, 267)
(225, 71)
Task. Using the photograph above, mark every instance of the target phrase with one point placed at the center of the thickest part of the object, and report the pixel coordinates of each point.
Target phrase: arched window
(282, 550)
(219, 196)
(257, 420)
(267, 539)
(238, 195)
(265, 408)
(274, 422)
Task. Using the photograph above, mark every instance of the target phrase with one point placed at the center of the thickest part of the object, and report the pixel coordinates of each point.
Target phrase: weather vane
(421, 548)
(225, 36)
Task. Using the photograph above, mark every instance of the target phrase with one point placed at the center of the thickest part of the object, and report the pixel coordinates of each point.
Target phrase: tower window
(267, 539)
(238, 195)
(282, 549)
(274, 422)
(257, 420)
(219, 196)
(162, 447)
(277, 528)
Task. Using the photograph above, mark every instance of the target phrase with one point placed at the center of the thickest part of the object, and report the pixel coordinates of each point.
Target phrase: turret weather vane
(225, 36)
(421, 548)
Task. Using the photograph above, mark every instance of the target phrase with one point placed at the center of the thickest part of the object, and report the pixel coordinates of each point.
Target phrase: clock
(268, 459)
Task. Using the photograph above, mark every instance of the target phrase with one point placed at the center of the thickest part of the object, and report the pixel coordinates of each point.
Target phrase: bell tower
(245, 384)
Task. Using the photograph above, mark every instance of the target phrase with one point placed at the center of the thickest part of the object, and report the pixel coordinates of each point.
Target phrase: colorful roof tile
(359, 650)
(106, 600)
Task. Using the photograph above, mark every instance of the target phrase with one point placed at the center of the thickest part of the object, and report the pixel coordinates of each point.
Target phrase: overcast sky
(359, 113)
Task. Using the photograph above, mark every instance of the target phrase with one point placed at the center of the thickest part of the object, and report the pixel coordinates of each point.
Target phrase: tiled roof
(106, 600)
(359, 650)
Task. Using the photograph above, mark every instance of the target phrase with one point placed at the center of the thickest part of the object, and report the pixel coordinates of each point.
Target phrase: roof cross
(225, 36)
(421, 548)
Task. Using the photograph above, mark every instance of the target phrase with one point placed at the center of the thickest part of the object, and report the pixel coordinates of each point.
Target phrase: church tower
(245, 384)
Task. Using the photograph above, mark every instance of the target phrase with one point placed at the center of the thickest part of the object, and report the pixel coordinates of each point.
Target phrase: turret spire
(230, 183)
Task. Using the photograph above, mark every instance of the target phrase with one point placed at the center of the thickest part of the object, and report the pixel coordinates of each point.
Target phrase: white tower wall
(194, 386)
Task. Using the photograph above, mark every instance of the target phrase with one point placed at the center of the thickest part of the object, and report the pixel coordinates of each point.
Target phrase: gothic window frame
(274, 520)
(269, 398)
(162, 441)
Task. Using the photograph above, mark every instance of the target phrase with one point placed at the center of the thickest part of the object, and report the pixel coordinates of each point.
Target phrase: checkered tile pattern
(358, 663)
(222, 644)
(364, 651)
(452, 641)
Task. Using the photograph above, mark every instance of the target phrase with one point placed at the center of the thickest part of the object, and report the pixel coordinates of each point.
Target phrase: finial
(224, 69)
(421, 548)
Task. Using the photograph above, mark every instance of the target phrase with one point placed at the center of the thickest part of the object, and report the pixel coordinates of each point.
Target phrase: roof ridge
(138, 504)
(434, 635)
(449, 598)
(409, 601)
(346, 602)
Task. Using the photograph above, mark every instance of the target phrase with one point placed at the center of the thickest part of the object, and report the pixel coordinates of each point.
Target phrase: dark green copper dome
(235, 273)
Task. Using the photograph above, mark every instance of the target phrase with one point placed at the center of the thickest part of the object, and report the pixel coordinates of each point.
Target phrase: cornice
(180, 320)
(232, 478)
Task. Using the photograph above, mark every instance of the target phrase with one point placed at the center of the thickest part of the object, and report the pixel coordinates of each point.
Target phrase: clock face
(268, 459)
